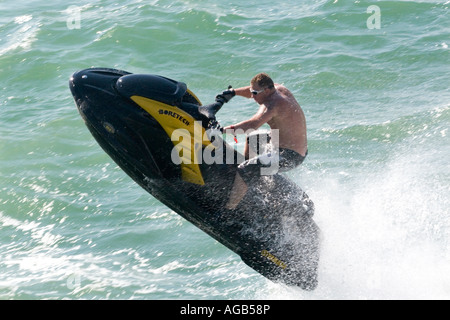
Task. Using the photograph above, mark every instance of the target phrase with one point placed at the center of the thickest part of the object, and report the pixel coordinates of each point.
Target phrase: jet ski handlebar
(210, 110)
(227, 95)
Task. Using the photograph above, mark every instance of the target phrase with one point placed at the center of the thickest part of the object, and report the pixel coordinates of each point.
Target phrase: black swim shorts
(286, 160)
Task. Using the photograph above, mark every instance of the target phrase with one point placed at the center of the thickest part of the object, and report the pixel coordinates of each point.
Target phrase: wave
(20, 34)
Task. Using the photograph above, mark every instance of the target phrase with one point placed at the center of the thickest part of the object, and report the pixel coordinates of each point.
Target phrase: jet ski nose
(94, 79)
(75, 81)
(94, 92)
(81, 81)
(78, 77)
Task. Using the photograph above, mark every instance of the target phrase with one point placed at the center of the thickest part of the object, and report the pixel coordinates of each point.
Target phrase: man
(279, 109)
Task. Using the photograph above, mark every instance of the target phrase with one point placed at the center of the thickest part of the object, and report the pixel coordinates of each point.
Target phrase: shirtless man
(279, 109)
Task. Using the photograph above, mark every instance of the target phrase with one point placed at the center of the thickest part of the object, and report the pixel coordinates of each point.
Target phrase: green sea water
(374, 85)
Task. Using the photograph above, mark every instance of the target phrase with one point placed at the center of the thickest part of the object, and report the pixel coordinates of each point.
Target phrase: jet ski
(156, 129)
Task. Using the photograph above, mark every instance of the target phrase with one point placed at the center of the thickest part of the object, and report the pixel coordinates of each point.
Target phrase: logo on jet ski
(174, 115)
(274, 259)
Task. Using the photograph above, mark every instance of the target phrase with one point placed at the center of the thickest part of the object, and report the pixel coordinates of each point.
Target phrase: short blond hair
(263, 80)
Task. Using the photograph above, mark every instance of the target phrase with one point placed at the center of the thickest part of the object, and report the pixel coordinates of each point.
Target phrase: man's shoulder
(282, 88)
(286, 92)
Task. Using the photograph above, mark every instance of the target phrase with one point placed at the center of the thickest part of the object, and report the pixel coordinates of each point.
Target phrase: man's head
(261, 86)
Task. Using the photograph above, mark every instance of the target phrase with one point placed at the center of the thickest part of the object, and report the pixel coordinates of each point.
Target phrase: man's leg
(254, 145)
(237, 192)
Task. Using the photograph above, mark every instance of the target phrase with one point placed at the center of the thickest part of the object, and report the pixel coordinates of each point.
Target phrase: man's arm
(230, 93)
(263, 116)
(244, 92)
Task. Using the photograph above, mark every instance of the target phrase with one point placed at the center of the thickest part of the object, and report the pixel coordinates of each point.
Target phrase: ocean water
(374, 85)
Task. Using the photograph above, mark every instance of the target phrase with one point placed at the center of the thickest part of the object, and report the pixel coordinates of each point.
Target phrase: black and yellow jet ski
(134, 118)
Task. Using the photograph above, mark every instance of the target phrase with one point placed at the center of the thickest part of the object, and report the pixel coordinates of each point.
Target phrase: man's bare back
(289, 119)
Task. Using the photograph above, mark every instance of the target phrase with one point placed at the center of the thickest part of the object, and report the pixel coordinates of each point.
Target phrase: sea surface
(373, 79)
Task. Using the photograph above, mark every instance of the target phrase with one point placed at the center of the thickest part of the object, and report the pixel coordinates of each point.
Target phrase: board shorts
(270, 163)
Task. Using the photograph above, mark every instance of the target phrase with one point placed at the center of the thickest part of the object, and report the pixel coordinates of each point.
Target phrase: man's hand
(230, 129)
